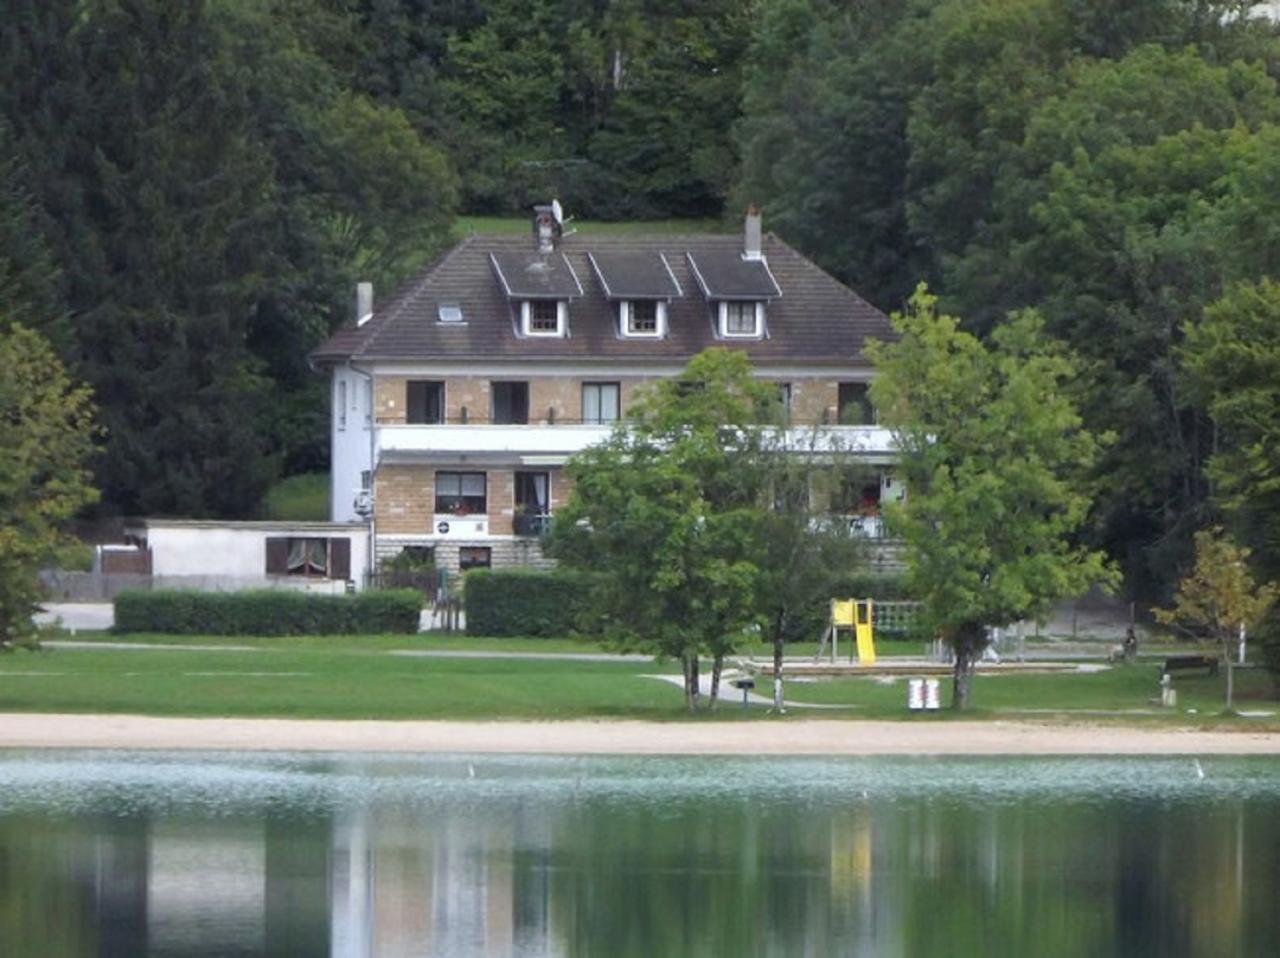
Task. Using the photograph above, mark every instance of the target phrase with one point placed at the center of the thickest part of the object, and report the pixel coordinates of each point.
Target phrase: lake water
(133, 854)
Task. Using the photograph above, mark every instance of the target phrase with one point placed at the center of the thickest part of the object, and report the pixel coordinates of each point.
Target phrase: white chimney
(364, 303)
(548, 226)
(751, 239)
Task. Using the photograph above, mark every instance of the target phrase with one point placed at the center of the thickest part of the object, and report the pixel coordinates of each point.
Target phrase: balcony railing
(566, 439)
(532, 524)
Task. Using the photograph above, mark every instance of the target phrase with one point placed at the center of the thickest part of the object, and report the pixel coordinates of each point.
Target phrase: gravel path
(810, 737)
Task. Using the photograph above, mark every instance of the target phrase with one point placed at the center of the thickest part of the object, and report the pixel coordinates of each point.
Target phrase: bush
(267, 612)
(523, 602)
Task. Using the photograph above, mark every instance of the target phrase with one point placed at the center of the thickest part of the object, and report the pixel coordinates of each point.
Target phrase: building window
(738, 318)
(784, 400)
(643, 317)
(309, 556)
(855, 405)
(342, 404)
(600, 402)
(510, 403)
(533, 503)
(474, 557)
(460, 493)
(543, 317)
(425, 403)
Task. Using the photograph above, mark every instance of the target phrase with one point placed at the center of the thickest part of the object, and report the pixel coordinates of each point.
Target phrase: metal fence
(426, 581)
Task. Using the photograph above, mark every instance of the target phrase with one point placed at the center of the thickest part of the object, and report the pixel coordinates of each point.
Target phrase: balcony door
(510, 403)
(425, 402)
(533, 502)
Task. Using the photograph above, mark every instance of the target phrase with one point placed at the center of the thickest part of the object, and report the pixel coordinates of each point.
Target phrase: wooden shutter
(277, 556)
(339, 558)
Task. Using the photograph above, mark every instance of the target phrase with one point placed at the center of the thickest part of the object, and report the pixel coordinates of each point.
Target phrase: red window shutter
(277, 556)
(340, 558)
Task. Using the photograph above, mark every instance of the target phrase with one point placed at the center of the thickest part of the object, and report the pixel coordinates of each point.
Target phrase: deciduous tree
(995, 456)
(1220, 597)
(46, 437)
(667, 512)
(1233, 357)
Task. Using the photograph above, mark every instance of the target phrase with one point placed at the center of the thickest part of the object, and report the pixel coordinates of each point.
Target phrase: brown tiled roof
(815, 320)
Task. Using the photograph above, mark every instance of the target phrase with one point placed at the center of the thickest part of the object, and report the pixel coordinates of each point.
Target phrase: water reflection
(135, 855)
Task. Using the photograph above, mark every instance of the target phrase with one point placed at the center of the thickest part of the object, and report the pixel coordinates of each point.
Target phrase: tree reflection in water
(586, 857)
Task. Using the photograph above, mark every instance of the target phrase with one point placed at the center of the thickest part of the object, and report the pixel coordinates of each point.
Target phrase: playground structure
(861, 618)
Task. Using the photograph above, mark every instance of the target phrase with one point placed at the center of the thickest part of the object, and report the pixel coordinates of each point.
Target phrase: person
(1130, 645)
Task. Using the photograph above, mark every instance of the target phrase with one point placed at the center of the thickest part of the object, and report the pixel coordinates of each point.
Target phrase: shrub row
(523, 601)
(539, 603)
(267, 612)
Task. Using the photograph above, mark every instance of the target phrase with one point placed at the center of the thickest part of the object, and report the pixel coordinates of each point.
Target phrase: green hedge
(523, 601)
(267, 612)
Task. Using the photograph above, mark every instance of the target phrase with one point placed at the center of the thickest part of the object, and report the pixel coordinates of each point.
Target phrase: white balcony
(543, 444)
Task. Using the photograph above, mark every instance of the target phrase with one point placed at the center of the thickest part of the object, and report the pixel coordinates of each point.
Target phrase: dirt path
(813, 737)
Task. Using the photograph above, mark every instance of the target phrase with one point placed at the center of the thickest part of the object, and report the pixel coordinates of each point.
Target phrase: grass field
(1126, 691)
(357, 677)
(303, 498)
(327, 678)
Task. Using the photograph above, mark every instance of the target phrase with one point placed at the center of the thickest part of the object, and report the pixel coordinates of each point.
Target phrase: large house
(457, 402)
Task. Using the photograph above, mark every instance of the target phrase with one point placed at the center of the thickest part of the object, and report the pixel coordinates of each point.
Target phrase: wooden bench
(1188, 663)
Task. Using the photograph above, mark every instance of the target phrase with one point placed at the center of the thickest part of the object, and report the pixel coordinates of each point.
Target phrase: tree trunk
(717, 665)
(967, 643)
(960, 680)
(777, 672)
(691, 694)
(1231, 682)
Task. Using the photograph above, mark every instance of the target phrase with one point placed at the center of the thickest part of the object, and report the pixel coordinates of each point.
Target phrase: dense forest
(191, 187)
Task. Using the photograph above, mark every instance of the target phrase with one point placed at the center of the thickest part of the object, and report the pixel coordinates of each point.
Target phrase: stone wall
(500, 493)
(404, 499)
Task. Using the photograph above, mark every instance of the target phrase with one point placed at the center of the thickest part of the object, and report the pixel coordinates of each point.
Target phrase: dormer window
(543, 317)
(644, 318)
(741, 319)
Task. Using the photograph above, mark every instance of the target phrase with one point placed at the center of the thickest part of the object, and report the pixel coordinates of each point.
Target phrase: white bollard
(915, 694)
(932, 700)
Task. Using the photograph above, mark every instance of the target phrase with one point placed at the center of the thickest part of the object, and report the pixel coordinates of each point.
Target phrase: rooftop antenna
(558, 212)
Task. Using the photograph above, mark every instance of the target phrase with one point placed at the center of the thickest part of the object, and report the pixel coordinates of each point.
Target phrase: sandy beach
(817, 737)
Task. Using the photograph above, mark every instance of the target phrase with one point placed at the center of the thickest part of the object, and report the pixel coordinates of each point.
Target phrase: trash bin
(932, 698)
(915, 694)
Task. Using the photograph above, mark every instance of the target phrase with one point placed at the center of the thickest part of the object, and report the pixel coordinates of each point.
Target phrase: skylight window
(449, 313)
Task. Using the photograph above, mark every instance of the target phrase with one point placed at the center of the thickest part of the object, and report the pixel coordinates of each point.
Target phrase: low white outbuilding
(223, 556)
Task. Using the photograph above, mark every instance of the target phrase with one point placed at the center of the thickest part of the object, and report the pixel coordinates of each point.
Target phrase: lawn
(1126, 691)
(301, 498)
(357, 677)
(327, 678)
